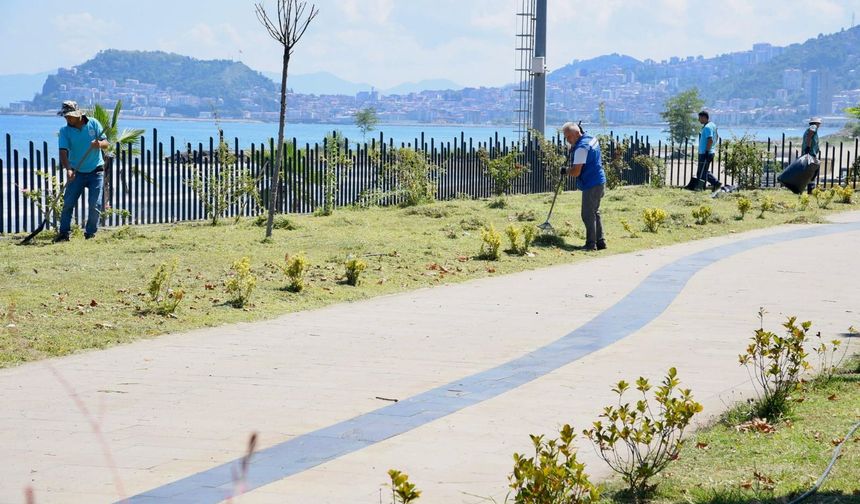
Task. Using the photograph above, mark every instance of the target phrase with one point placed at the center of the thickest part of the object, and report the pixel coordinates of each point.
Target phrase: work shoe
(89, 236)
(601, 245)
(61, 238)
(589, 247)
(716, 187)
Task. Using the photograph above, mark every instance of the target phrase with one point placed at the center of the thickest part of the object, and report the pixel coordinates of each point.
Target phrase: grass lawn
(57, 299)
(723, 465)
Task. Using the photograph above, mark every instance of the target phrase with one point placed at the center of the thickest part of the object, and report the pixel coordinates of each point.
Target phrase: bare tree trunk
(279, 157)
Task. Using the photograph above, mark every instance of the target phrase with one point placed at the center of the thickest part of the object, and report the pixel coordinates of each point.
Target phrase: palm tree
(114, 137)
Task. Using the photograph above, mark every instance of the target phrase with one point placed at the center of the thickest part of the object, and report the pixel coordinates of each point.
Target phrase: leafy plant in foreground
(638, 442)
(553, 475)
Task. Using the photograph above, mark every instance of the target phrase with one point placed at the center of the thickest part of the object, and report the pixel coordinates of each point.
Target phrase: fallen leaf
(93, 303)
(831, 397)
(757, 424)
(837, 441)
(491, 270)
(702, 446)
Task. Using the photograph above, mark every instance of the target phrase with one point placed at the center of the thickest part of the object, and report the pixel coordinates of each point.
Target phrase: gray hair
(571, 126)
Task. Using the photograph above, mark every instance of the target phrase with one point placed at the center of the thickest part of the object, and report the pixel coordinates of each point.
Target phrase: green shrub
(744, 206)
(655, 167)
(514, 238)
(241, 283)
(402, 491)
(498, 203)
(639, 441)
(473, 223)
(614, 153)
(823, 197)
(295, 269)
(354, 268)
(767, 204)
(553, 475)
(743, 160)
(702, 214)
(775, 364)
(654, 218)
(844, 194)
(803, 202)
(164, 299)
(503, 171)
(412, 175)
(491, 242)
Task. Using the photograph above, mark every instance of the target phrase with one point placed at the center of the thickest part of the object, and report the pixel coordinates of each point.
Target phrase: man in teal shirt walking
(707, 150)
(81, 142)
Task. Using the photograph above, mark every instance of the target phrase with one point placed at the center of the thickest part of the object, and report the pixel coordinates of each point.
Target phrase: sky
(389, 42)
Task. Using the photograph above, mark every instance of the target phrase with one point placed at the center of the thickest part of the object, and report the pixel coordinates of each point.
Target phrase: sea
(23, 129)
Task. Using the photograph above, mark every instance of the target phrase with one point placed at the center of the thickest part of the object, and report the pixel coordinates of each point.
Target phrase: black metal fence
(150, 184)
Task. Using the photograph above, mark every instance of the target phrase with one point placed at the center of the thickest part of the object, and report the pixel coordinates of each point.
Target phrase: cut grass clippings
(58, 299)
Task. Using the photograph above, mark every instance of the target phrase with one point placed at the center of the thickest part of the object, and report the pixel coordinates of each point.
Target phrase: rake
(546, 227)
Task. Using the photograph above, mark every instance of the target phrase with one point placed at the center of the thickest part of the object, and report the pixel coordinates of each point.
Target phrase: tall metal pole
(539, 69)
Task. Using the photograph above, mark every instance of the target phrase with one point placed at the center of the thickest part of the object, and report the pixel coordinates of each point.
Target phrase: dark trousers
(811, 185)
(591, 215)
(704, 171)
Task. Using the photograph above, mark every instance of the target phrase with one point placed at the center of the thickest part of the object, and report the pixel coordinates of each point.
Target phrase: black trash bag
(799, 173)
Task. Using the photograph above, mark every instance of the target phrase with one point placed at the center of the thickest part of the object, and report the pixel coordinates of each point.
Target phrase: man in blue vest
(584, 162)
(81, 142)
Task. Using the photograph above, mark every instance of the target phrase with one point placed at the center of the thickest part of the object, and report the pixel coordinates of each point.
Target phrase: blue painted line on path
(641, 306)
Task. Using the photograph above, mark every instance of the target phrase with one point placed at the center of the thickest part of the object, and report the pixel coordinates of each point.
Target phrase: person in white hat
(810, 146)
(81, 142)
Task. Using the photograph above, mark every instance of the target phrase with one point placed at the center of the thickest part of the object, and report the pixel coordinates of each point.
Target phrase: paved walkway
(476, 367)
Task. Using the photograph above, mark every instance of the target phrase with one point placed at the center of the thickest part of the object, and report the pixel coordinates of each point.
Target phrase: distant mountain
(837, 55)
(207, 84)
(424, 85)
(18, 87)
(325, 83)
(319, 83)
(598, 64)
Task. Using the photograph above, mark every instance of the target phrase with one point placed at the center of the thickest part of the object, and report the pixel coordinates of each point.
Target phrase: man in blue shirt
(584, 161)
(81, 142)
(707, 149)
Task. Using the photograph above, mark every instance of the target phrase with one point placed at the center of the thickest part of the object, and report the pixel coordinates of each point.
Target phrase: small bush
(402, 491)
(241, 283)
(828, 361)
(491, 242)
(553, 475)
(803, 202)
(767, 204)
(162, 297)
(521, 239)
(626, 225)
(125, 233)
(354, 268)
(655, 167)
(654, 218)
(637, 443)
(775, 364)
(295, 269)
(823, 197)
(744, 206)
(702, 214)
(844, 194)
